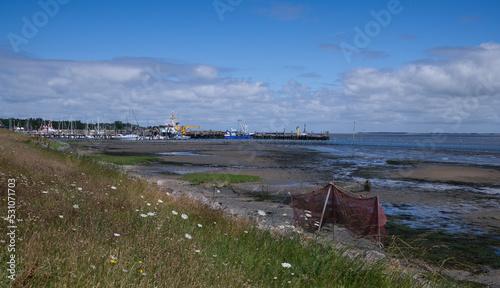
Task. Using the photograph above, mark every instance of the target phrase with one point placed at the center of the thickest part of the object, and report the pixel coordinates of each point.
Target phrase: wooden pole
(324, 208)
(378, 224)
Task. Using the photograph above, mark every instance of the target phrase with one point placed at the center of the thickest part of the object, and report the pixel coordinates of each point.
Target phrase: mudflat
(293, 168)
(453, 173)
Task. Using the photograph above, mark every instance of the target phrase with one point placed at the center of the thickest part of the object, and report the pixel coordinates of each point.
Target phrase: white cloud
(206, 72)
(455, 90)
(460, 86)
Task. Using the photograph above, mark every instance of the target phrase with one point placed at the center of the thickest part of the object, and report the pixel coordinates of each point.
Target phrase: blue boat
(234, 134)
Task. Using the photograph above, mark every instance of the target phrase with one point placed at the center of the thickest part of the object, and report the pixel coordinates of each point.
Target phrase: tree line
(37, 123)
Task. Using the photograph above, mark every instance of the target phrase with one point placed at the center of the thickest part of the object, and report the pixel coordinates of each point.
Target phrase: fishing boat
(173, 130)
(243, 134)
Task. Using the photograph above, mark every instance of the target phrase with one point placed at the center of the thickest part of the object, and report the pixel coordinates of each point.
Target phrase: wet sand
(446, 173)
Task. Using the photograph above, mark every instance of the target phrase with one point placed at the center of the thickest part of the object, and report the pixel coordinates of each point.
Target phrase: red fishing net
(362, 216)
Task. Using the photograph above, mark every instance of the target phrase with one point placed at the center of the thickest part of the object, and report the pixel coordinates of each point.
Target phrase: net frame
(361, 216)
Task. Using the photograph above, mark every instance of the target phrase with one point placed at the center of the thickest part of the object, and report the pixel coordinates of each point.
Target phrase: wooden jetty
(263, 135)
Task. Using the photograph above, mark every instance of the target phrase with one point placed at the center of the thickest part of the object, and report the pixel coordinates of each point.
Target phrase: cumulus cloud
(454, 90)
(106, 90)
(457, 87)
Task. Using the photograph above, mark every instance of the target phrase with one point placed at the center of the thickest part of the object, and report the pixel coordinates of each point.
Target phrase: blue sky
(415, 66)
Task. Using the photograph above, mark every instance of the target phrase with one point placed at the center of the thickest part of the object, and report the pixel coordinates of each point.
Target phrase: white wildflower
(286, 265)
(116, 235)
(76, 206)
(151, 214)
(160, 201)
(113, 187)
(184, 216)
(174, 212)
(199, 225)
(144, 215)
(61, 216)
(197, 251)
(45, 192)
(188, 236)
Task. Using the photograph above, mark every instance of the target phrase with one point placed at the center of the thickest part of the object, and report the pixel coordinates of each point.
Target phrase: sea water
(348, 155)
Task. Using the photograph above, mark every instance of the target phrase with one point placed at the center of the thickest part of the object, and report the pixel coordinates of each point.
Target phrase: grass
(201, 178)
(124, 159)
(81, 224)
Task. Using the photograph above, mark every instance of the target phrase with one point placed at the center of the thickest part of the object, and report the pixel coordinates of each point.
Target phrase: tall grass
(83, 225)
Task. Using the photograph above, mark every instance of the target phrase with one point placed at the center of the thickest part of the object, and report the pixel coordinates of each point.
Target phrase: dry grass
(83, 225)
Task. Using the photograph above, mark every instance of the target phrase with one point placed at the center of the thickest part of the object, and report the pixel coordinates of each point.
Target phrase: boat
(48, 129)
(180, 137)
(243, 134)
(127, 137)
(173, 130)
